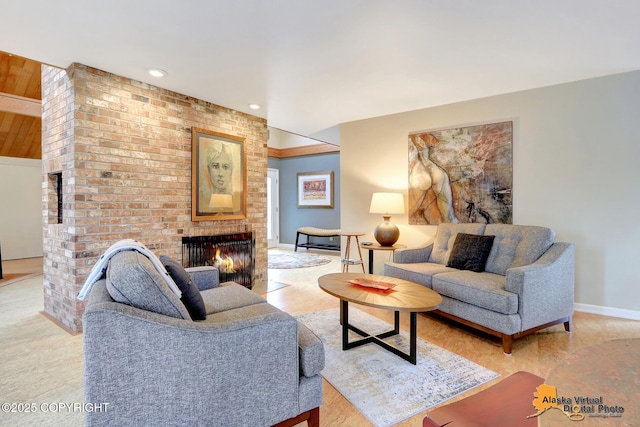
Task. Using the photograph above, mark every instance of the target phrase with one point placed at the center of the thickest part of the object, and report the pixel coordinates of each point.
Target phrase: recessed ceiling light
(254, 106)
(156, 72)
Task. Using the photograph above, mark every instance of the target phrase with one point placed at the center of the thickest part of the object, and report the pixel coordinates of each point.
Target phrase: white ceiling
(313, 64)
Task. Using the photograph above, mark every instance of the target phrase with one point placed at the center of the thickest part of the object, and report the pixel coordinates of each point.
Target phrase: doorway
(273, 208)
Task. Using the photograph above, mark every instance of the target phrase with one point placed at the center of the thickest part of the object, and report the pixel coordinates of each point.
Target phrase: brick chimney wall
(123, 149)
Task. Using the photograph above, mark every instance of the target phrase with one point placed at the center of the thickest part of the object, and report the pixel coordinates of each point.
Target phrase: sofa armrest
(311, 352)
(151, 367)
(545, 288)
(413, 255)
(204, 277)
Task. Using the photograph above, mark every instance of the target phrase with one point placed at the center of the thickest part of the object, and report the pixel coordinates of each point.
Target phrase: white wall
(575, 169)
(21, 211)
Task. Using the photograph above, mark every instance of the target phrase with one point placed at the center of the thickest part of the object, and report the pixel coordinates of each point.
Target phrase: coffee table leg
(344, 321)
(396, 323)
(413, 326)
(377, 339)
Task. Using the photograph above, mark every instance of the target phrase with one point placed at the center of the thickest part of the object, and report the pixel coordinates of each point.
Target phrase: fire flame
(225, 265)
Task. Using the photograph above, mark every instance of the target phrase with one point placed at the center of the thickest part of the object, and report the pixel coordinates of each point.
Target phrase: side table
(347, 261)
(376, 247)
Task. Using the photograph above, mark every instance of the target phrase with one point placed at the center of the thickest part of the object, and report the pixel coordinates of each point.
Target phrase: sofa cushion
(445, 237)
(516, 245)
(420, 273)
(191, 297)
(229, 296)
(133, 280)
(243, 316)
(470, 252)
(484, 290)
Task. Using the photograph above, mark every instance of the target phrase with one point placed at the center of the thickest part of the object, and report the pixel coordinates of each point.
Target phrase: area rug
(295, 260)
(383, 387)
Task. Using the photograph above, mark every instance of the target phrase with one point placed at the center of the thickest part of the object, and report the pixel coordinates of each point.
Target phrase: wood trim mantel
(304, 150)
(20, 105)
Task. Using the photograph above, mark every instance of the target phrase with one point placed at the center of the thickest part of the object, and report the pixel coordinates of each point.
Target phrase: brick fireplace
(120, 153)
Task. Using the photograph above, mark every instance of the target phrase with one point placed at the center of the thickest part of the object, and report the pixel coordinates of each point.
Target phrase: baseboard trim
(60, 324)
(292, 247)
(607, 311)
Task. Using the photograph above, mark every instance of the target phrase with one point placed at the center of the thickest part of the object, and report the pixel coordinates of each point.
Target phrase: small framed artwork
(218, 176)
(315, 189)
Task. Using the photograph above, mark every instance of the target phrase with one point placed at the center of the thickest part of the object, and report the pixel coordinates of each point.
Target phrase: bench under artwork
(317, 232)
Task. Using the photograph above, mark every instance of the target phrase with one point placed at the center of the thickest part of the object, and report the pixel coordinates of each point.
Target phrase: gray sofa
(527, 283)
(246, 364)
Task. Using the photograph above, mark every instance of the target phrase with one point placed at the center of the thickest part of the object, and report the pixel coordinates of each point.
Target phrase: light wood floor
(40, 362)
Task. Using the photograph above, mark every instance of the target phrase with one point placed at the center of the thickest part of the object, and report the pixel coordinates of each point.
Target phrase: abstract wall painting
(462, 174)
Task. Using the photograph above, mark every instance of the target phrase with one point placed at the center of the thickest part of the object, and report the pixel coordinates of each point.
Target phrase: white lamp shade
(387, 203)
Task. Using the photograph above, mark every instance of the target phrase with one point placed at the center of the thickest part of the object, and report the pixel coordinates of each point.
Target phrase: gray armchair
(247, 364)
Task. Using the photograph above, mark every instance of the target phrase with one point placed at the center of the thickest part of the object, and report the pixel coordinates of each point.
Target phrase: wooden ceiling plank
(34, 149)
(4, 71)
(6, 144)
(9, 146)
(5, 122)
(24, 75)
(34, 90)
(20, 105)
(23, 142)
(20, 76)
(19, 142)
(11, 78)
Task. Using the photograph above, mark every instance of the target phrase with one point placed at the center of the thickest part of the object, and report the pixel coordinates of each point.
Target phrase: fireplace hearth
(232, 254)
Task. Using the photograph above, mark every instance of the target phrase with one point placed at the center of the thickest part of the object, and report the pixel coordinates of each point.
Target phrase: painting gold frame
(218, 176)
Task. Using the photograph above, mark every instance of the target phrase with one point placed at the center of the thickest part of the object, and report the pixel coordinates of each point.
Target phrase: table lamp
(387, 234)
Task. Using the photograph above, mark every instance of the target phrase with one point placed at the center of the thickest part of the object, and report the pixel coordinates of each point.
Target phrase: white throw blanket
(125, 245)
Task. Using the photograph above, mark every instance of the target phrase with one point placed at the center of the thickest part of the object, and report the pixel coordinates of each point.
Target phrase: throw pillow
(191, 297)
(470, 252)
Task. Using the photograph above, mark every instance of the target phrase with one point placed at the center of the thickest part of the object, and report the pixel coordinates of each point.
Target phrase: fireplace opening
(232, 254)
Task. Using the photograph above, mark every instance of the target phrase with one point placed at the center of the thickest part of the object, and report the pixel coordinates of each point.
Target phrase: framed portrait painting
(218, 176)
(315, 189)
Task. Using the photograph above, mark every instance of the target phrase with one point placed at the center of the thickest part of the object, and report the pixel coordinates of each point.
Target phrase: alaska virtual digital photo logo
(576, 408)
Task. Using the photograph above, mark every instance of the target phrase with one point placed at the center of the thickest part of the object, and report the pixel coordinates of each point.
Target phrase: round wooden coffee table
(404, 296)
